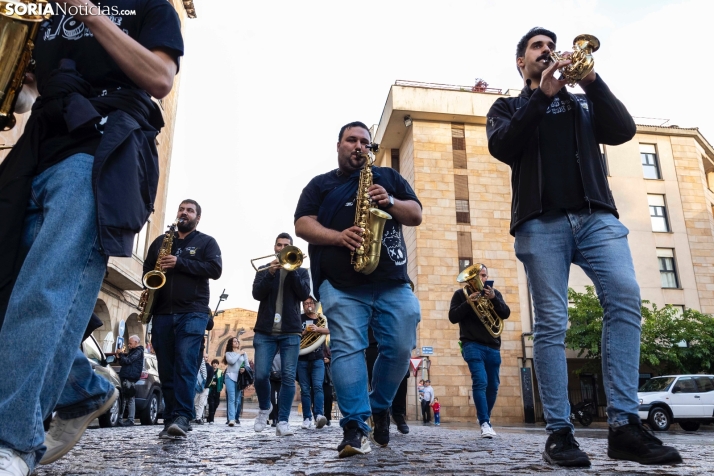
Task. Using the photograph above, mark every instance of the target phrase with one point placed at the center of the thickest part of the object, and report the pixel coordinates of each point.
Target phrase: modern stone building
(119, 296)
(435, 136)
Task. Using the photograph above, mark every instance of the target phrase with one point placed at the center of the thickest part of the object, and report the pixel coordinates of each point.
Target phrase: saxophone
(17, 40)
(366, 258)
(155, 279)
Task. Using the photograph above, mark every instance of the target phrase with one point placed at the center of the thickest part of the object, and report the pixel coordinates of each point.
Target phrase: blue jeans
(311, 381)
(484, 364)
(596, 242)
(393, 313)
(50, 306)
(437, 420)
(176, 339)
(234, 399)
(266, 346)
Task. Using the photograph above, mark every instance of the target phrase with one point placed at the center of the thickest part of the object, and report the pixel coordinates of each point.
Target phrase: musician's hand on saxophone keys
(350, 238)
(378, 195)
(168, 262)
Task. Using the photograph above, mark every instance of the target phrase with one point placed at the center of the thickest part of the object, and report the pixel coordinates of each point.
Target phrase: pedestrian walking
(215, 386)
(237, 362)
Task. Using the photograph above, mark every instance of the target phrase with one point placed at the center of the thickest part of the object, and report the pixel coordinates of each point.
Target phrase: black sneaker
(562, 449)
(635, 443)
(354, 441)
(401, 423)
(179, 427)
(380, 431)
(164, 434)
(128, 423)
(197, 421)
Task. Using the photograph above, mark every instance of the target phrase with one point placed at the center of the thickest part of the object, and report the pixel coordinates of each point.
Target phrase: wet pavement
(447, 449)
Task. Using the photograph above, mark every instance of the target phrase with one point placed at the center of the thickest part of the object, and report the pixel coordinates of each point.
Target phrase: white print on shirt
(190, 250)
(558, 106)
(392, 240)
(72, 29)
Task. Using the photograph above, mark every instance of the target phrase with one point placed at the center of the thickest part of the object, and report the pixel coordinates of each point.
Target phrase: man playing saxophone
(480, 348)
(75, 189)
(563, 213)
(181, 313)
(354, 301)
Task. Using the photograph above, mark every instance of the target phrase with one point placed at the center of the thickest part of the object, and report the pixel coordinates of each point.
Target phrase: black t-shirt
(155, 25)
(562, 181)
(335, 263)
(317, 353)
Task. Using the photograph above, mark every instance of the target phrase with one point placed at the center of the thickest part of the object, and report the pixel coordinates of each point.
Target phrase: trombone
(289, 258)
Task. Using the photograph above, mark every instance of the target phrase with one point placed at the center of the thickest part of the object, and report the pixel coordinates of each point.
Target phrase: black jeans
(214, 399)
(425, 411)
(274, 392)
(399, 404)
(327, 390)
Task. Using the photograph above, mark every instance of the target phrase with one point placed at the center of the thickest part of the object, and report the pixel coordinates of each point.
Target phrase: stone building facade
(119, 295)
(435, 135)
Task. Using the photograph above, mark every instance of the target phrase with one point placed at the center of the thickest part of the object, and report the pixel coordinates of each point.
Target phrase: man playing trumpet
(563, 213)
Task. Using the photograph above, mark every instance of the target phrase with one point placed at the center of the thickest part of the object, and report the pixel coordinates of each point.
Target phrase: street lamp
(221, 298)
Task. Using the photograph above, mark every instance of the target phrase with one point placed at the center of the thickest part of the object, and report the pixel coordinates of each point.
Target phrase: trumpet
(582, 59)
(289, 258)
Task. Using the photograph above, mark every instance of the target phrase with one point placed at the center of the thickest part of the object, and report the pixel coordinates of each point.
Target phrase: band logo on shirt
(72, 29)
(392, 240)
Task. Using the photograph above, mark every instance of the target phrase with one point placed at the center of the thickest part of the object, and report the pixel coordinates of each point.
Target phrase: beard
(186, 225)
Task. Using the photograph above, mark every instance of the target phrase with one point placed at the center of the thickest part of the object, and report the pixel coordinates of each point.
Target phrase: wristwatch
(391, 202)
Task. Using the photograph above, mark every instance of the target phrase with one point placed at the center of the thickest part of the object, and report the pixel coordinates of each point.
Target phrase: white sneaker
(283, 429)
(64, 434)
(262, 417)
(307, 424)
(232, 423)
(11, 464)
(320, 421)
(487, 431)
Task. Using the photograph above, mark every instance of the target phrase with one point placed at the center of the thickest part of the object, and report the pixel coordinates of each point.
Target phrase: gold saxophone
(365, 259)
(482, 307)
(155, 279)
(17, 40)
(582, 60)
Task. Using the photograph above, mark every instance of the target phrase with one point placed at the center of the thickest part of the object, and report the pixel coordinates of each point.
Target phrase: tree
(671, 342)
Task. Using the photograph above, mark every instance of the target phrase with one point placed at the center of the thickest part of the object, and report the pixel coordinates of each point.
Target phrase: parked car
(99, 363)
(149, 399)
(684, 399)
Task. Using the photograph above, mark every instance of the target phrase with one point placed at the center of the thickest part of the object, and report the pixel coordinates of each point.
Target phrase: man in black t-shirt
(354, 301)
(563, 213)
(311, 370)
(76, 188)
(480, 349)
(180, 313)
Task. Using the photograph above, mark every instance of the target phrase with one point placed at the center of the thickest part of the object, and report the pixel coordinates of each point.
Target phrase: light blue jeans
(234, 398)
(596, 242)
(50, 306)
(393, 313)
(484, 364)
(311, 384)
(266, 346)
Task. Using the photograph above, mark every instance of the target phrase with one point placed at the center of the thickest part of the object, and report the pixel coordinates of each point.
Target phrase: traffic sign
(122, 327)
(427, 351)
(415, 363)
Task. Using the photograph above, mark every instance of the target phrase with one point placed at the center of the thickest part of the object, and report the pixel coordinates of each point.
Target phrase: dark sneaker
(380, 431)
(197, 421)
(164, 434)
(179, 427)
(401, 423)
(635, 443)
(562, 449)
(127, 423)
(354, 441)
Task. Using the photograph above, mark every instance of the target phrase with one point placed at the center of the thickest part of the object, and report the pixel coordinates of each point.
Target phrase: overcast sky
(265, 87)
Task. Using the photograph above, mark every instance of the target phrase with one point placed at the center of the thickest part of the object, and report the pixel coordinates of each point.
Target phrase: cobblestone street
(426, 450)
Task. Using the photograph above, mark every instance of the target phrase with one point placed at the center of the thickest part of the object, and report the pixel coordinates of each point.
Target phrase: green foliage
(670, 342)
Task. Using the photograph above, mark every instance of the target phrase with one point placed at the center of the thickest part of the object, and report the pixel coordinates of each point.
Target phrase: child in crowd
(436, 406)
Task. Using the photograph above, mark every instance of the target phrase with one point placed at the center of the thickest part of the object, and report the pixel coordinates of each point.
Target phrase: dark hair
(194, 202)
(523, 43)
(353, 124)
(229, 348)
(285, 236)
(215, 361)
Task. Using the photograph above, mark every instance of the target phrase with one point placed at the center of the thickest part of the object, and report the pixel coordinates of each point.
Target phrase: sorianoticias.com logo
(43, 8)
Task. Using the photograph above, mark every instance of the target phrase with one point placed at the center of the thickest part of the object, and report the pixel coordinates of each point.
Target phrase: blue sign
(122, 327)
(427, 351)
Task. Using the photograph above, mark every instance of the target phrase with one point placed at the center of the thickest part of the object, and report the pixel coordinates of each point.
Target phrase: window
(463, 241)
(650, 167)
(603, 157)
(705, 384)
(658, 213)
(686, 385)
(667, 270)
(140, 242)
(395, 160)
(458, 145)
(461, 188)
